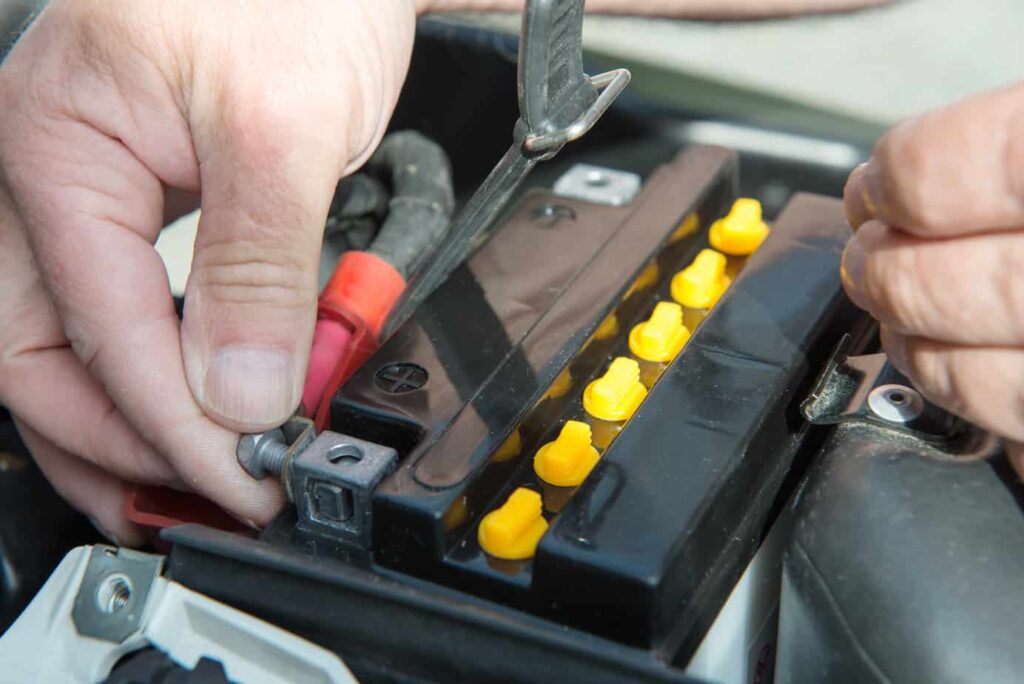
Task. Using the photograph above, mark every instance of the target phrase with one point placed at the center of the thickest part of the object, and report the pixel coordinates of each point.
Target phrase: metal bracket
(598, 185)
(114, 592)
(102, 603)
(299, 433)
(332, 482)
(867, 390)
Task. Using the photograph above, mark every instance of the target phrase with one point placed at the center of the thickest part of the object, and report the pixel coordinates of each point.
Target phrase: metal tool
(558, 103)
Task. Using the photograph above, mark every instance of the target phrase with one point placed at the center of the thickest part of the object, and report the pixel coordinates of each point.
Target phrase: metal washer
(895, 403)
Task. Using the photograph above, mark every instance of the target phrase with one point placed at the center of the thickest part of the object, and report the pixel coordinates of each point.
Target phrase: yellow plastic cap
(616, 394)
(700, 284)
(513, 531)
(561, 385)
(742, 231)
(648, 277)
(568, 460)
(661, 336)
(609, 327)
(689, 226)
(509, 449)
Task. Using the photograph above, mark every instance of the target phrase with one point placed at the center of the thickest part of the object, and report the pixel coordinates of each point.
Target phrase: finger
(1015, 452)
(984, 385)
(43, 382)
(50, 390)
(963, 290)
(250, 304)
(95, 493)
(952, 171)
(92, 227)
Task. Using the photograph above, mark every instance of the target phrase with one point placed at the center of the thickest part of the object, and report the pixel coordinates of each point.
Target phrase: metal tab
(114, 592)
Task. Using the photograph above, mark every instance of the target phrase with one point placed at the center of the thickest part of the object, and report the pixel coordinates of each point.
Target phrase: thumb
(250, 301)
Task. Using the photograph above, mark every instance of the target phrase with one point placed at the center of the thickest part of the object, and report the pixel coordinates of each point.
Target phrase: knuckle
(911, 168)
(1009, 285)
(910, 164)
(266, 130)
(898, 288)
(247, 273)
(932, 371)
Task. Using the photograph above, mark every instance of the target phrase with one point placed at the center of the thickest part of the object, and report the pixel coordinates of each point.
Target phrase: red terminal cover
(154, 508)
(359, 296)
(365, 286)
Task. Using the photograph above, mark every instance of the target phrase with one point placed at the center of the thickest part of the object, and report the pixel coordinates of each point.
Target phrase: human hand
(938, 256)
(259, 107)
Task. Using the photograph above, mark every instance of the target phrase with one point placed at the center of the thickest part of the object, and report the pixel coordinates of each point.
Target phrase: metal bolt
(895, 403)
(550, 215)
(263, 453)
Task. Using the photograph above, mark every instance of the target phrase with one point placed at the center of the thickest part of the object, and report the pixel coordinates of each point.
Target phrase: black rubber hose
(359, 206)
(422, 199)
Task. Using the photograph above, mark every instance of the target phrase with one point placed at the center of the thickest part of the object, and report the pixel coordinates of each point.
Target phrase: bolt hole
(113, 594)
(898, 398)
(596, 179)
(345, 454)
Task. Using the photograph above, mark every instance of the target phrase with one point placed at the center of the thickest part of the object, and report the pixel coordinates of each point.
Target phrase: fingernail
(852, 273)
(251, 385)
(859, 196)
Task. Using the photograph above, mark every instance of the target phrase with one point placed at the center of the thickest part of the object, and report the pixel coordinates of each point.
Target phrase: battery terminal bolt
(702, 283)
(742, 231)
(568, 460)
(513, 531)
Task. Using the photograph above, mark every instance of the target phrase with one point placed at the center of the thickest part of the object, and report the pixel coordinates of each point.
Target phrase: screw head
(251, 448)
(895, 403)
(400, 378)
(549, 215)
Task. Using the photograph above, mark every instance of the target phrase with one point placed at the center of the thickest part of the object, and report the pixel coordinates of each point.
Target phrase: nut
(252, 451)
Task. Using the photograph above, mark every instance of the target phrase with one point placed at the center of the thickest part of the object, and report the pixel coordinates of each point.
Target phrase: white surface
(746, 629)
(878, 65)
(43, 645)
(175, 247)
(188, 626)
